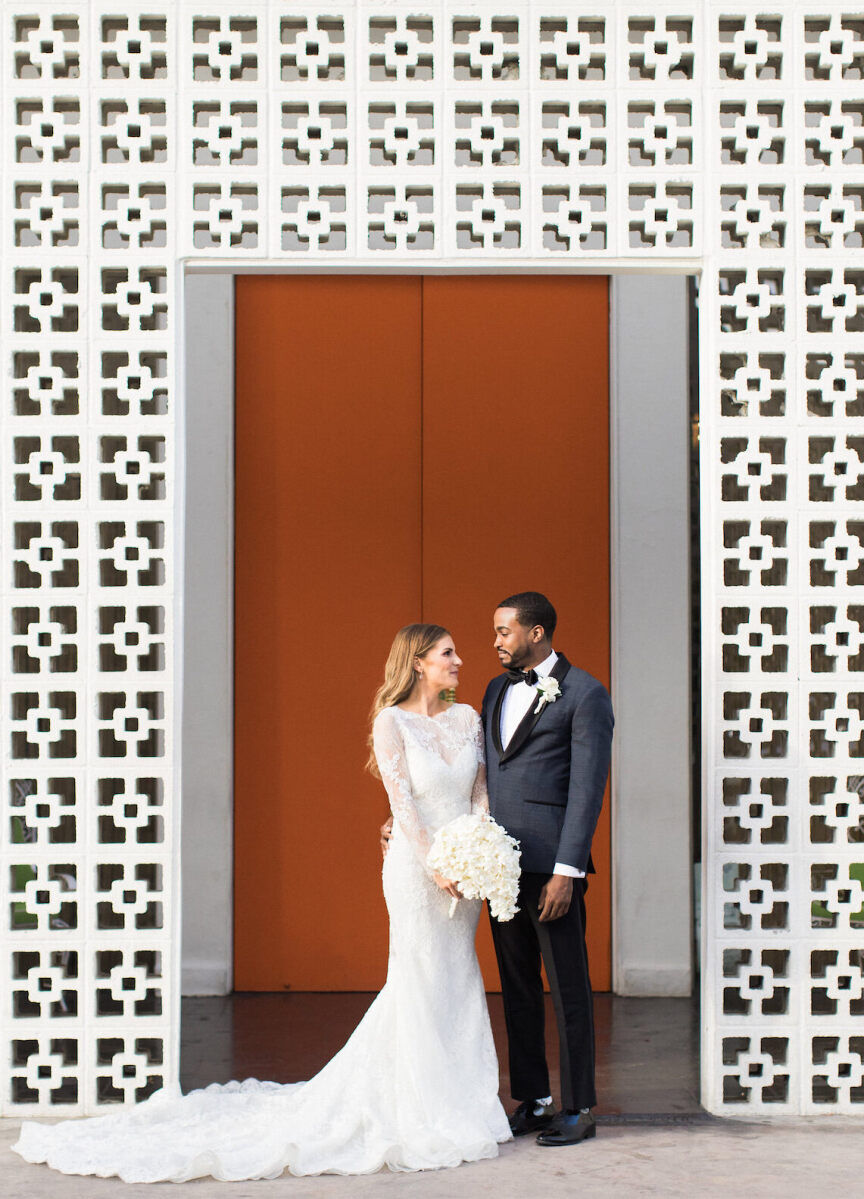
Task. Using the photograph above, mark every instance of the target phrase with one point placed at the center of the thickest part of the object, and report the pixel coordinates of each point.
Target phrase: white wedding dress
(416, 1085)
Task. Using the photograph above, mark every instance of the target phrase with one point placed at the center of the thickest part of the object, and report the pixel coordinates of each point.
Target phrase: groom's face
(514, 643)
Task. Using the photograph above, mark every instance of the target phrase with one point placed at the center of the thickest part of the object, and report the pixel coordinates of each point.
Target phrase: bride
(416, 1085)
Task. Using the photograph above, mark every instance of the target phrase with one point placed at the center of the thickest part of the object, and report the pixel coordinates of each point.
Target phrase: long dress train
(416, 1085)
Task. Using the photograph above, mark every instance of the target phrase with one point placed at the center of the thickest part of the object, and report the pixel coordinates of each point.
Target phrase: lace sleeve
(390, 756)
(479, 794)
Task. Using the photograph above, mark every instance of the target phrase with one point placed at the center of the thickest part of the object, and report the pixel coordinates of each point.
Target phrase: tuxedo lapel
(526, 725)
(496, 718)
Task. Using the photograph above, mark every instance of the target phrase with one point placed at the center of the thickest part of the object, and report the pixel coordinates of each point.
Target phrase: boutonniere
(549, 692)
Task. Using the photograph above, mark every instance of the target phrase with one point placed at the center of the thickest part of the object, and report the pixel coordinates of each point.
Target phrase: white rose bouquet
(481, 859)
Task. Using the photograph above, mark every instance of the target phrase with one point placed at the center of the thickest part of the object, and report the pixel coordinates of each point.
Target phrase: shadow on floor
(647, 1049)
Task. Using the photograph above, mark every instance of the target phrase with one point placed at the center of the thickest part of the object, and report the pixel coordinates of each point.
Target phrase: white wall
(651, 831)
(651, 776)
(207, 815)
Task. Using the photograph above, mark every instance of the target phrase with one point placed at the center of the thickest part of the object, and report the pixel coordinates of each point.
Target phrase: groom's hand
(555, 897)
(386, 834)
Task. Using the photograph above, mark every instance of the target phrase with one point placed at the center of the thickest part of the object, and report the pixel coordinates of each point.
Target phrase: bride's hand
(447, 885)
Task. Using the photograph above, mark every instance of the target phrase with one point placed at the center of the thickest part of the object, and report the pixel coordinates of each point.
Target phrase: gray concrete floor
(647, 1070)
(803, 1158)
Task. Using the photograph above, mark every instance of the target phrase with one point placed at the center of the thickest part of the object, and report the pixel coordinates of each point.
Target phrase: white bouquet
(481, 859)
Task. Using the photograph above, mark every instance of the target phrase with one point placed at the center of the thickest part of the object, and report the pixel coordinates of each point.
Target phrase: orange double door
(407, 449)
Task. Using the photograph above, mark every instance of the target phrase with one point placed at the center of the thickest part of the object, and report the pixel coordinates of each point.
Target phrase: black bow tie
(523, 676)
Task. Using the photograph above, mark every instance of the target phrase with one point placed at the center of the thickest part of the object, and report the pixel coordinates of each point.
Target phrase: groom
(548, 729)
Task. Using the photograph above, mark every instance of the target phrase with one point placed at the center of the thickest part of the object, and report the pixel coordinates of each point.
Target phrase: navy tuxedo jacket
(546, 788)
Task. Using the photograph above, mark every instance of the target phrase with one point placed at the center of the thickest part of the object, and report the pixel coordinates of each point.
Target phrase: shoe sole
(538, 1127)
(592, 1132)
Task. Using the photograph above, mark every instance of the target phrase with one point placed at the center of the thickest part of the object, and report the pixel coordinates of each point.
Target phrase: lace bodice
(432, 767)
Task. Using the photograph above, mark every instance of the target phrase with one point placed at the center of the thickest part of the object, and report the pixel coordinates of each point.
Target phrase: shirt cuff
(568, 871)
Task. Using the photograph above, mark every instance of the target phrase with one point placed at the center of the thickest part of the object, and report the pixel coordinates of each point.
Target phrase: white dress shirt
(518, 698)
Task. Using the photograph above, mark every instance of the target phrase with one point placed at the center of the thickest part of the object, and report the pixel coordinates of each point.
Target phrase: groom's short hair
(532, 609)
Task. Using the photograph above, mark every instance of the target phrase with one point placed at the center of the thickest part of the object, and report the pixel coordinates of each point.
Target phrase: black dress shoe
(568, 1129)
(529, 1116)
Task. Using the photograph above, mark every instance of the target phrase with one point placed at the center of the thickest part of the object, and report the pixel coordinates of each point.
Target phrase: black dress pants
(519, 945)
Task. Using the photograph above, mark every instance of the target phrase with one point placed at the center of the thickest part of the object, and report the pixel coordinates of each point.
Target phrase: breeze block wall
(144, 141)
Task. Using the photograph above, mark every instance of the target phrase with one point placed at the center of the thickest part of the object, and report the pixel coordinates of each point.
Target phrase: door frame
(207, 779)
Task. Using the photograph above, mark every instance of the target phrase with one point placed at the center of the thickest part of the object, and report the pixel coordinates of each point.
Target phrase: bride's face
(440, 666)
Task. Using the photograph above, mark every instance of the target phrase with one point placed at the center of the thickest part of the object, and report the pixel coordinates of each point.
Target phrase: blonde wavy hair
(400, 678)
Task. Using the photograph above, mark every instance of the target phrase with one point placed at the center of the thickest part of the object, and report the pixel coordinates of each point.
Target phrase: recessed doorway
(651, 433)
